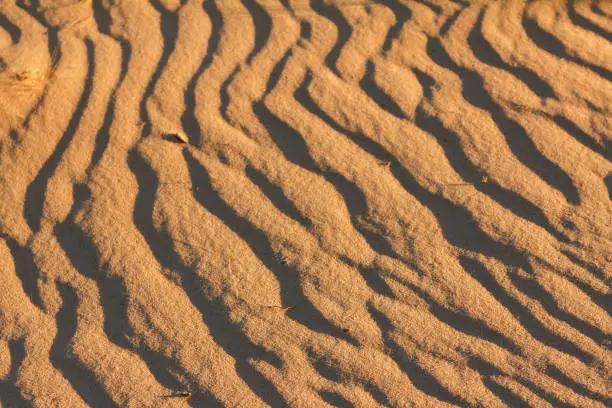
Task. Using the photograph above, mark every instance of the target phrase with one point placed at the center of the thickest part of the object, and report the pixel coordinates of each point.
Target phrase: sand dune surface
(305, 203)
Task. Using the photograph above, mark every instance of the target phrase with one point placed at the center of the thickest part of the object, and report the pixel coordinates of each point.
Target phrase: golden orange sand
(305, 203)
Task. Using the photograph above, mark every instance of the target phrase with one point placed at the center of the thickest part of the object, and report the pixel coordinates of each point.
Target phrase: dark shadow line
(214, 315)
(604, 301)
(608, 183)
(432, 6)
(81, 250)
(330, 12)
(84, 256)
(277, 73)
(575, 386)
(370, 87)
(357, 205)
(534, 290)
(287, 5)
(456, 222)
(169, 29)
(82, 380)
(597, 9)
(420, 377)
(531, 324)
(353, 197)
(224, 94)
(18, 353)
(592, 268)
(189, 120)
(103, 135)
(402, 15)
(459, 161)
(373, 279)
(305, 31)
(450, 21)
(102, 17)
(262, 23)
(295, 149)
(104, 21)
(486, 369)
(322, 367)
(277, 196)
(582, 137)
(181, 379)
(36, 191)
(331, 373)
(32, 7)
(464, 323)
(288, 277)
(114, 300)
(160, 243)
(504, 394)
(521, 145)
(8, 26)
(204, 398)
(10, 394)
(427, 83)
(454, 228)
(288, 140)
(551, 44)
(75, 243)
(335, 399)
(377, 393)
(26, 270)
(484, 51)
(583, 22)
(600, 299)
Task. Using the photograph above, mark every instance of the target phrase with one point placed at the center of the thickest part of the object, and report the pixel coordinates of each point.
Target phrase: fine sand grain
(305, 203)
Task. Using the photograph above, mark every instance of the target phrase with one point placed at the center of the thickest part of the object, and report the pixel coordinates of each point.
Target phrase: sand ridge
(292, 203)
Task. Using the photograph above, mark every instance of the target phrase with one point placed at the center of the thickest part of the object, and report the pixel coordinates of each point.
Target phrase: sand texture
(305, 203)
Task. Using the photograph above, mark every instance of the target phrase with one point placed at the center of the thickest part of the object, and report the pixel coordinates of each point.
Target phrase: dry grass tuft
(18, 85)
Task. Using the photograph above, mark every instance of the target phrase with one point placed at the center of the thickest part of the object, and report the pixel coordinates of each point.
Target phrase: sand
(305, 203)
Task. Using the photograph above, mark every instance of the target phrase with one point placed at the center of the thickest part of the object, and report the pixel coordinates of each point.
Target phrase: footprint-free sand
(305, 203)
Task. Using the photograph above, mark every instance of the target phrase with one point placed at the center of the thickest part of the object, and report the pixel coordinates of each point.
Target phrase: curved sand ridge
(296, 203)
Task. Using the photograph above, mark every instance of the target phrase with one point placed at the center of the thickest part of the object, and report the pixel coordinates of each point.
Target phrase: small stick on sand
(283, 308)
(483, 179)
(178, 394)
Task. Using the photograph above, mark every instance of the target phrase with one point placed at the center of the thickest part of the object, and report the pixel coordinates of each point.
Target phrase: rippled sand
(305, 203)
